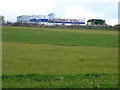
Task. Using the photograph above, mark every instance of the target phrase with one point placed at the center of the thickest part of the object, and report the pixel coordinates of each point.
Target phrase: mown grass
(59, 58)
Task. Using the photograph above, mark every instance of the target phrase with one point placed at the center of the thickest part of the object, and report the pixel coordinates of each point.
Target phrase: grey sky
(88, 9)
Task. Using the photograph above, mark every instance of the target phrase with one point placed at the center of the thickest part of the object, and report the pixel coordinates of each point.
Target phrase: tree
(96, 21)
(117, 26)
(2, 21)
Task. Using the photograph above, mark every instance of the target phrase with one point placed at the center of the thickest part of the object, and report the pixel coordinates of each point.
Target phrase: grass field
(59, 58)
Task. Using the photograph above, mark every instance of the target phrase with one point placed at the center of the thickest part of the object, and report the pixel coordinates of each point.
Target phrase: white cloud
(111, 21)
(91, 1)
(75, 11)
(63, 8)
(13, 8)
(28, 6)
(79, 12)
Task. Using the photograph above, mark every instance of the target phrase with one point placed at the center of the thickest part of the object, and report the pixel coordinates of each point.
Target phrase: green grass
(57, 37)
(61, 80)
(59, 58)
(20, 57)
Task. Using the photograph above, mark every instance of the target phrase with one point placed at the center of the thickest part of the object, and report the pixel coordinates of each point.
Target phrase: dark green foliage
(97, 21)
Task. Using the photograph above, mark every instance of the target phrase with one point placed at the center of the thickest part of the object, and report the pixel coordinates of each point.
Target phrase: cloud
(62, 8)
(27, 6)
(13, 8)
(112, 21)
(90, 1)
(76, 11)
(79, 12)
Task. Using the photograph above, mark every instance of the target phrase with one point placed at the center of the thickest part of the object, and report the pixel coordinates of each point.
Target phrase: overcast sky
(77, 9)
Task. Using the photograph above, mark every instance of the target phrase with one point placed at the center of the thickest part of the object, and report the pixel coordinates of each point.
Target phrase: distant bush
(117, 26)
(97, 27)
